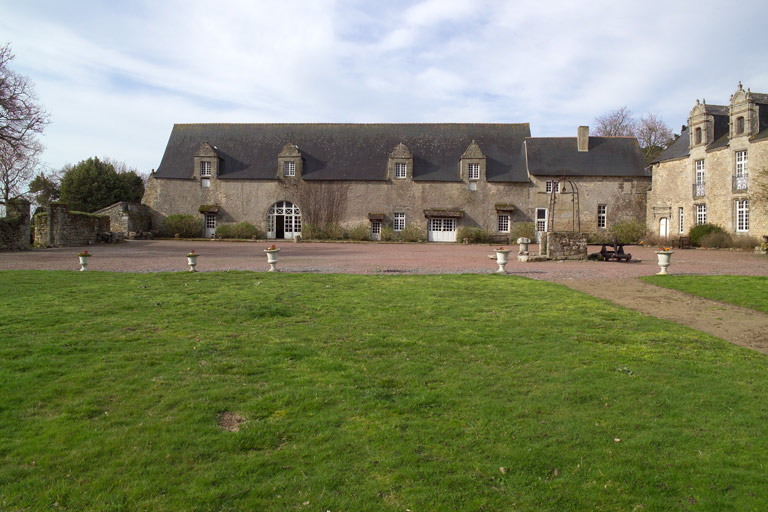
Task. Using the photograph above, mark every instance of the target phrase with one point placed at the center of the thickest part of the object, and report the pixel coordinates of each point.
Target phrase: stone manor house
(704, 176)
(437, 177)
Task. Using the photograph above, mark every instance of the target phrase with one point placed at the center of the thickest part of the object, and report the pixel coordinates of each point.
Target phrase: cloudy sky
(116, 75)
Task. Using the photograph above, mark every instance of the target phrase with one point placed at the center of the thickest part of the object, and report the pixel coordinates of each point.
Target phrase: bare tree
(651, 132)
(21, 121)
(653, 135)
(619, 123)
(16, 169)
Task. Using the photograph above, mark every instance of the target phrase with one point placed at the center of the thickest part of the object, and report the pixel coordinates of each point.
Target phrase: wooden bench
(498, 240)
(684, 242)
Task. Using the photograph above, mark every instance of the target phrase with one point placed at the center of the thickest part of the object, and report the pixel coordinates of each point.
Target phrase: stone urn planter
(83, 260)
(272, 257)
(502, 258)
(665, 258)
(192, 260)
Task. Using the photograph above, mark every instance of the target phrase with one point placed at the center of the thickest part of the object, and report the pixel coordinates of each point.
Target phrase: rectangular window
(681, 220)
(474, 171)
(741, 170)
(398, 222)
(541, 219)
(553, 185)
(289, 168)
(698, 187)
(503, 223)
(701, 214)
(205, 169)
(742, 215)
(401, 171)
(210, 220)
(602, 213)
(375, 227)
(205, 182)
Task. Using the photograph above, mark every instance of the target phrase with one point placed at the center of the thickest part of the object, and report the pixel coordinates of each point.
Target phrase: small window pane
(398, 223)
(504, 223)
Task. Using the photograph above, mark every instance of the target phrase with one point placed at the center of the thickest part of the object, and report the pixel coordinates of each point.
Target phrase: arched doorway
(283, 220)
(664, 227)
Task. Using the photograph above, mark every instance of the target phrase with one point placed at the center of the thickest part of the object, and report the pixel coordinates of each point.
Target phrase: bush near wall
(628, 231)
(360, 232)
(698, 232)
(241, 230)
(186, 226)
(474, 235)
(411, 233)
(522, 230)
(322, 232)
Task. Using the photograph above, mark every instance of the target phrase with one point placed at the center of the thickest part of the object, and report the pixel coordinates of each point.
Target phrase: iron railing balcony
(740, 183)
(698, 190)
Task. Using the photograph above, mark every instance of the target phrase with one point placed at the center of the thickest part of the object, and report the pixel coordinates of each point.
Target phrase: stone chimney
(582, 138)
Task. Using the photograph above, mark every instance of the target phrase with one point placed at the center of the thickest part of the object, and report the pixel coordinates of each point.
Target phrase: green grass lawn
(365, 393)
(746, 291)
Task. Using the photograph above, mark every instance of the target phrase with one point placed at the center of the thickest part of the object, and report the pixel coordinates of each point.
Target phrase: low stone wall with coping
(59, 227)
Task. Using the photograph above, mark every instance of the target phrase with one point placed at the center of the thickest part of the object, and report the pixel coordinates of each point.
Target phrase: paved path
(741, 326)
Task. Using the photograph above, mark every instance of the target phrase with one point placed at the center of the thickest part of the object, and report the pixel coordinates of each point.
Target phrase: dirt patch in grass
(741, 326)
(230, 421)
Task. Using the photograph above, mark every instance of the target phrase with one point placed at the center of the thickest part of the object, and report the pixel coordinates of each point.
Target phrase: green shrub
(325, 232)
(474, 235)
(388, 234)
(186, 226)
(411, 233)
(698, 232)
(242, 230)
(627, 231)
(359, 232)
(716, 240)
(522, 230)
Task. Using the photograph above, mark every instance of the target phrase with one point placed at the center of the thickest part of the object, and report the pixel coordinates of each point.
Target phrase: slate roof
(677, 149)
(347, 151)
(607, 156)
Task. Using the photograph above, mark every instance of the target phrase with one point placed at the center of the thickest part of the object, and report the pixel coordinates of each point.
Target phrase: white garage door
(442, 230)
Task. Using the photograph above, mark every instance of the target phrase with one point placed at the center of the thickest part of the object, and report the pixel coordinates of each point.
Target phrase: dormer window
(401, 170)
(697, 136)
(473, 171)
(289, 168)
(740, 125)
(205, 169)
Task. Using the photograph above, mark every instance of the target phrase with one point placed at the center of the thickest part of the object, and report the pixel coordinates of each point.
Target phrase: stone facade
(709, 174)
(133, 220)
(15, 226)
(566, 246)
(59, 227)
(385, 186)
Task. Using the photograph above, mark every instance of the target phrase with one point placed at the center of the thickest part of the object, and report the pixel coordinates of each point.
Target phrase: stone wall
(673, 189)
(249, 200)
(15, 226)
(566, 246)
(131, 219)
(59, 227)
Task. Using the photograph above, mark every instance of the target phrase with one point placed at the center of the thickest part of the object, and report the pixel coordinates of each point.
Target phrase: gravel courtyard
(370, 258)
